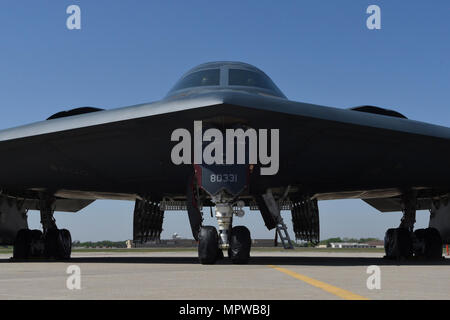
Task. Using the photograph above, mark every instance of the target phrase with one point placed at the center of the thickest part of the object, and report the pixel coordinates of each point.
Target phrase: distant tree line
(122, 244)
(334, 240)
(99, 244)
(352, 240)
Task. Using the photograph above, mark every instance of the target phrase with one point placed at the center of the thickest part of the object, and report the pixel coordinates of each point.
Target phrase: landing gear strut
(53, 243)
(224, 216)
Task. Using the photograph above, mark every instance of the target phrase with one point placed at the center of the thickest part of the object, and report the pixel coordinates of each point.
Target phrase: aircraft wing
(330, 152)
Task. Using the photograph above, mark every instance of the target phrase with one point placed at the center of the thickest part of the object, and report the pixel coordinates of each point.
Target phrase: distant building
(344, 245)
(176, 243)
(376, 244)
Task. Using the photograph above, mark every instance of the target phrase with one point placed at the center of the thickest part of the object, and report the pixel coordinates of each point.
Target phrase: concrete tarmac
(269, 275)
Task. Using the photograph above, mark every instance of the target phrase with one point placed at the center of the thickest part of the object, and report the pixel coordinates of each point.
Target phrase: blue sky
(130, 52)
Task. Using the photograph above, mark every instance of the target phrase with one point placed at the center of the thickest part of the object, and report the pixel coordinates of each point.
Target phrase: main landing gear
(53, 243)
(403, 243)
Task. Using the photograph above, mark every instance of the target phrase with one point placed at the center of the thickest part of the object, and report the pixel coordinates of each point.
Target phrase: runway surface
(270, 275)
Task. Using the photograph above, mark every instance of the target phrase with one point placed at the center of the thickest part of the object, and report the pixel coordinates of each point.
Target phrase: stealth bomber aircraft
(224, 138)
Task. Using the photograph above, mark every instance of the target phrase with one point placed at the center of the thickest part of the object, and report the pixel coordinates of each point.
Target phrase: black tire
(36, 242)
(64, 246)
(208, 245)
(51, 243)
(398, 244)
(58, 244)
(431, 242)
(240, 245)
(22, 244)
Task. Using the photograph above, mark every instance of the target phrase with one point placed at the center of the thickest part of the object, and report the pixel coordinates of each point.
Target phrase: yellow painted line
(341, 293)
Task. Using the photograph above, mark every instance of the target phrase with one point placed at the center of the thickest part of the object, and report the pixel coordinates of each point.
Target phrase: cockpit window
(239, 77)
(199, 79)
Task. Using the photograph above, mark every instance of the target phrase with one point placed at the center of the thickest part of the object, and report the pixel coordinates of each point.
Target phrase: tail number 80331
(225, 177)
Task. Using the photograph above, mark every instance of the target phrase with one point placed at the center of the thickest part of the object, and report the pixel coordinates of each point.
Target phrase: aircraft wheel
(208, 246)
(398, 244)
(430, 243)
(50, 243)
(36, 246)
(64, 245)
(22, 244)
(58, 244)
(240, 245)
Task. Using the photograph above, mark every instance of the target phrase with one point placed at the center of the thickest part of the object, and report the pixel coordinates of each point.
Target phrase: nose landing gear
(210, 248)
(223, 184)
(234, 239)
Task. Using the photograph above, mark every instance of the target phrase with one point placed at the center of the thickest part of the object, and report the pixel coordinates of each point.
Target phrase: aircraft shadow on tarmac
(268, 260)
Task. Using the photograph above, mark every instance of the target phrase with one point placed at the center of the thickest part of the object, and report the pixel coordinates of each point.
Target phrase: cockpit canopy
(225, 75)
